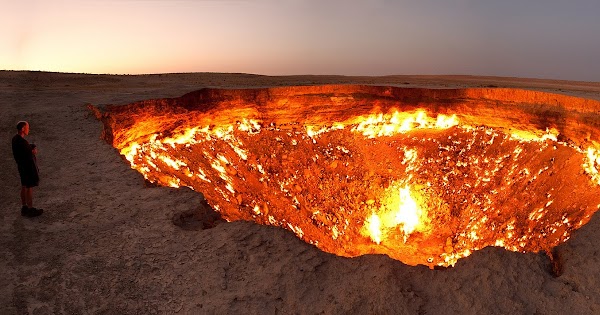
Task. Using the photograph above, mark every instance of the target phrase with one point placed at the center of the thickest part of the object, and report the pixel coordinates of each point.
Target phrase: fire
(528, 136)
(592, 163)
(379, 125)
(409, 215)
(420, 186)
(398, 209)
(373, 228)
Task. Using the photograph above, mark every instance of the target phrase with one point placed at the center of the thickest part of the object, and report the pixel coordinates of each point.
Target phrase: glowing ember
(421, 187)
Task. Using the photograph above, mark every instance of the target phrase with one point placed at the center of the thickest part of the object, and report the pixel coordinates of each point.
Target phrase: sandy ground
(106, 243)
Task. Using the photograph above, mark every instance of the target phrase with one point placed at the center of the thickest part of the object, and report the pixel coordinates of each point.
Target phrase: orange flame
(399, 209)
(378, 125)
(592, 163)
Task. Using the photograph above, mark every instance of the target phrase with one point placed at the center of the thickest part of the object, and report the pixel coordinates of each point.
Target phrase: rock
(307, 173)
(449, 248)
(230, 170)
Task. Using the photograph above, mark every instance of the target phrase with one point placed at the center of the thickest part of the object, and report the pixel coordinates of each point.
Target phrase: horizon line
(306, 75)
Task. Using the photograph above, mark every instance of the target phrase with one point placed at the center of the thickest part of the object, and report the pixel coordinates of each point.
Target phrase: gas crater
(425, 176)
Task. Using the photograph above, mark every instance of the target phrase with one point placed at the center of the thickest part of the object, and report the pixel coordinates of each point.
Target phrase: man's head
(23, 127)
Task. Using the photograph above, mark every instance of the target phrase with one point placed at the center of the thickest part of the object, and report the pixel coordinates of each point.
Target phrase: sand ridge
(106, 242)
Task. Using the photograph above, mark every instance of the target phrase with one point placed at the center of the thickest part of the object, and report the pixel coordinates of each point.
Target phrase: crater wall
(575, 119)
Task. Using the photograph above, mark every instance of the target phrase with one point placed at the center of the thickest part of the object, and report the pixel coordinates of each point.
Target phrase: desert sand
(106, 242)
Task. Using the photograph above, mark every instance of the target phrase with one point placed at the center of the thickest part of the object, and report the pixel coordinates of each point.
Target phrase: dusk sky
(522, 38)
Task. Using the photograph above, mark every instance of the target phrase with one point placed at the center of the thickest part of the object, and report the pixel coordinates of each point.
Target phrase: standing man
(24, 154)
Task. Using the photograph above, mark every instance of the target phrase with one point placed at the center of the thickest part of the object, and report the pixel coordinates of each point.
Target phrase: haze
(536, 39)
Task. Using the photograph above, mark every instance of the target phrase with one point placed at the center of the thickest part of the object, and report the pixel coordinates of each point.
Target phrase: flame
(378, 125)
(399, 209)
(408, 213)
(372, 227)
(395, 122)
(529, 136)
(444, 122)
(592, 163)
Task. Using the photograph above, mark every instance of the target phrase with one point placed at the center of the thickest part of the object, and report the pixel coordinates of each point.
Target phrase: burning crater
(423, 176)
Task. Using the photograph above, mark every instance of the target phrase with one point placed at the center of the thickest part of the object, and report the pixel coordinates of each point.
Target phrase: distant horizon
(299, 75)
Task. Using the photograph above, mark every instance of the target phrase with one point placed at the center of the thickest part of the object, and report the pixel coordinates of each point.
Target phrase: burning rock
(424, 176)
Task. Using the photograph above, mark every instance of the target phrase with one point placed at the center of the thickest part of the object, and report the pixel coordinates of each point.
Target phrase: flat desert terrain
(106, 243)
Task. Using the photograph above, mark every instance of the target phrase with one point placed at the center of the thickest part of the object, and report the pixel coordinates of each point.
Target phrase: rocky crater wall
(575, 119)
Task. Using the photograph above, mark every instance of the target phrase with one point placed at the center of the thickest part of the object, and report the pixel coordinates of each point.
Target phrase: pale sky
(523, 38)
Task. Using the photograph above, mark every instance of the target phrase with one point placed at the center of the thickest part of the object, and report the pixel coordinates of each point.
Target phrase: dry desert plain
(106, 243)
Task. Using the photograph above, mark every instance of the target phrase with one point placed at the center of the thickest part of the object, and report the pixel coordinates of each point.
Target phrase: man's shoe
(24, 211)
(34, 212)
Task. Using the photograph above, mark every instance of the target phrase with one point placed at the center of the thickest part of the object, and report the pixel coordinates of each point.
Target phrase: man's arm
(22, 151)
